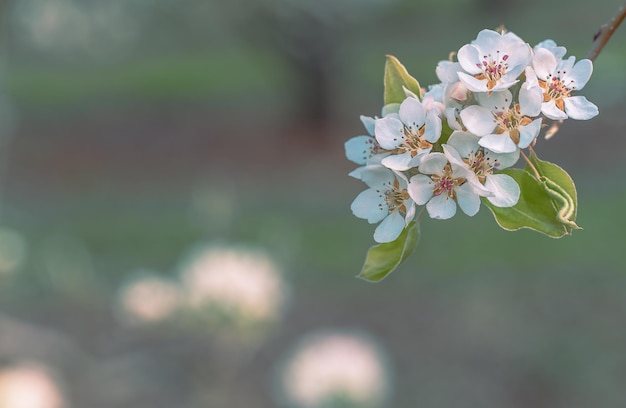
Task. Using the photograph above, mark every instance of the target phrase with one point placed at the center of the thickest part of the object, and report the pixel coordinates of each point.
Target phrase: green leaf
(560, 186)
(534, 210)
(397, 77)
(382, 259)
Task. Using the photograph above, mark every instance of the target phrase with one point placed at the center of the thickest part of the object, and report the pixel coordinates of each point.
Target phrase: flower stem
(605, 32)
(532, 166)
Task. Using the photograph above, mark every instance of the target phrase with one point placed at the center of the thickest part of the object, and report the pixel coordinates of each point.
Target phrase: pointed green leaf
(560, 186)
(382, 259)
(397, 77)
(534, 210)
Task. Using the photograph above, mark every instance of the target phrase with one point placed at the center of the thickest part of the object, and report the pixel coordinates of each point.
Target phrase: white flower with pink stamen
(493, 62)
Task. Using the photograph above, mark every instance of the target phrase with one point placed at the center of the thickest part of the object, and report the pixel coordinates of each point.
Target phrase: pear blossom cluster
(445, 147)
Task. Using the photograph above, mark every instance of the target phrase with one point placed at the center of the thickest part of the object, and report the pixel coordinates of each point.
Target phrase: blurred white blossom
(30, 385)
(335, 368)
(149, 299)
(239, 283)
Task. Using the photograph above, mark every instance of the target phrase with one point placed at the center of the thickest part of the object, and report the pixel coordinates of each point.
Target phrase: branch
(605, 32)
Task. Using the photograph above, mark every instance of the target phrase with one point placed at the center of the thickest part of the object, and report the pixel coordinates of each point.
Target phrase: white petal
(464, 142)
(503, 160)
(447, 71)
(451, 118)
(505, 82)
(496, 100)
(370, 205)
(453, 156)
(432, 129)
(398, 162)
(390, 228)
(389, 132)
(368, 122)
(359, 148)
(390, 109)
(528, 133)
(468, 56)
(420, 189)
(412, 113)
(478, 120)
(441, 207)
(467, 199)
(531, 78)
(506, 190)
(558, 52)
(410, 211)
(473, 84)
(552, 111)
(530, 100)
(579, 75)
(499, 143)
(378, 177)
(544, 63)
(433, 163)
(356, 173)
(578, 107)
(519, 57)
(488, 41)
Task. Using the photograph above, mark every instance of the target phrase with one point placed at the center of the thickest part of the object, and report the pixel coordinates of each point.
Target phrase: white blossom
(503, 126)
(504, 189)
(493, 61)
(409, 134)
(444, 182)
(386, 201)
(559, 78)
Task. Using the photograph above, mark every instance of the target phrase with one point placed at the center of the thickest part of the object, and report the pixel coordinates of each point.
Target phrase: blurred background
(175, 226)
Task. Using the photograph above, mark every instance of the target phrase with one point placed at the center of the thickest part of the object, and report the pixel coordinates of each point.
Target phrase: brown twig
(605, 32)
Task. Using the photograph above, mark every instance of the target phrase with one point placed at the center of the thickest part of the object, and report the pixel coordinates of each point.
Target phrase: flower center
(446, 182)
(509, 121)
(555, 89)
(481, 164)
(396, 197)
(493, 68)
(414, 141)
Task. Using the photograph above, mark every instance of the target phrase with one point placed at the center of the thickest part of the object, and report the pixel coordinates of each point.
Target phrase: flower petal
(447, 71)
(552, 111)
(528, 133)
(432, 129)
(530, 99)
(412, 113)
(370, 205)
(578, 107)
(519, 57)
(499, 143)
(578, 76)
(473, 84)
(368, 122)
(478, 120)
(390, 228)
(464, 142)
(441, 207)
(498, 101)
(359, 148)
(398, 162)
(389, 132)
(544, 63)
(467, 199)
(420, 189)
(505, 190)
(468, 57)
(433, 163)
